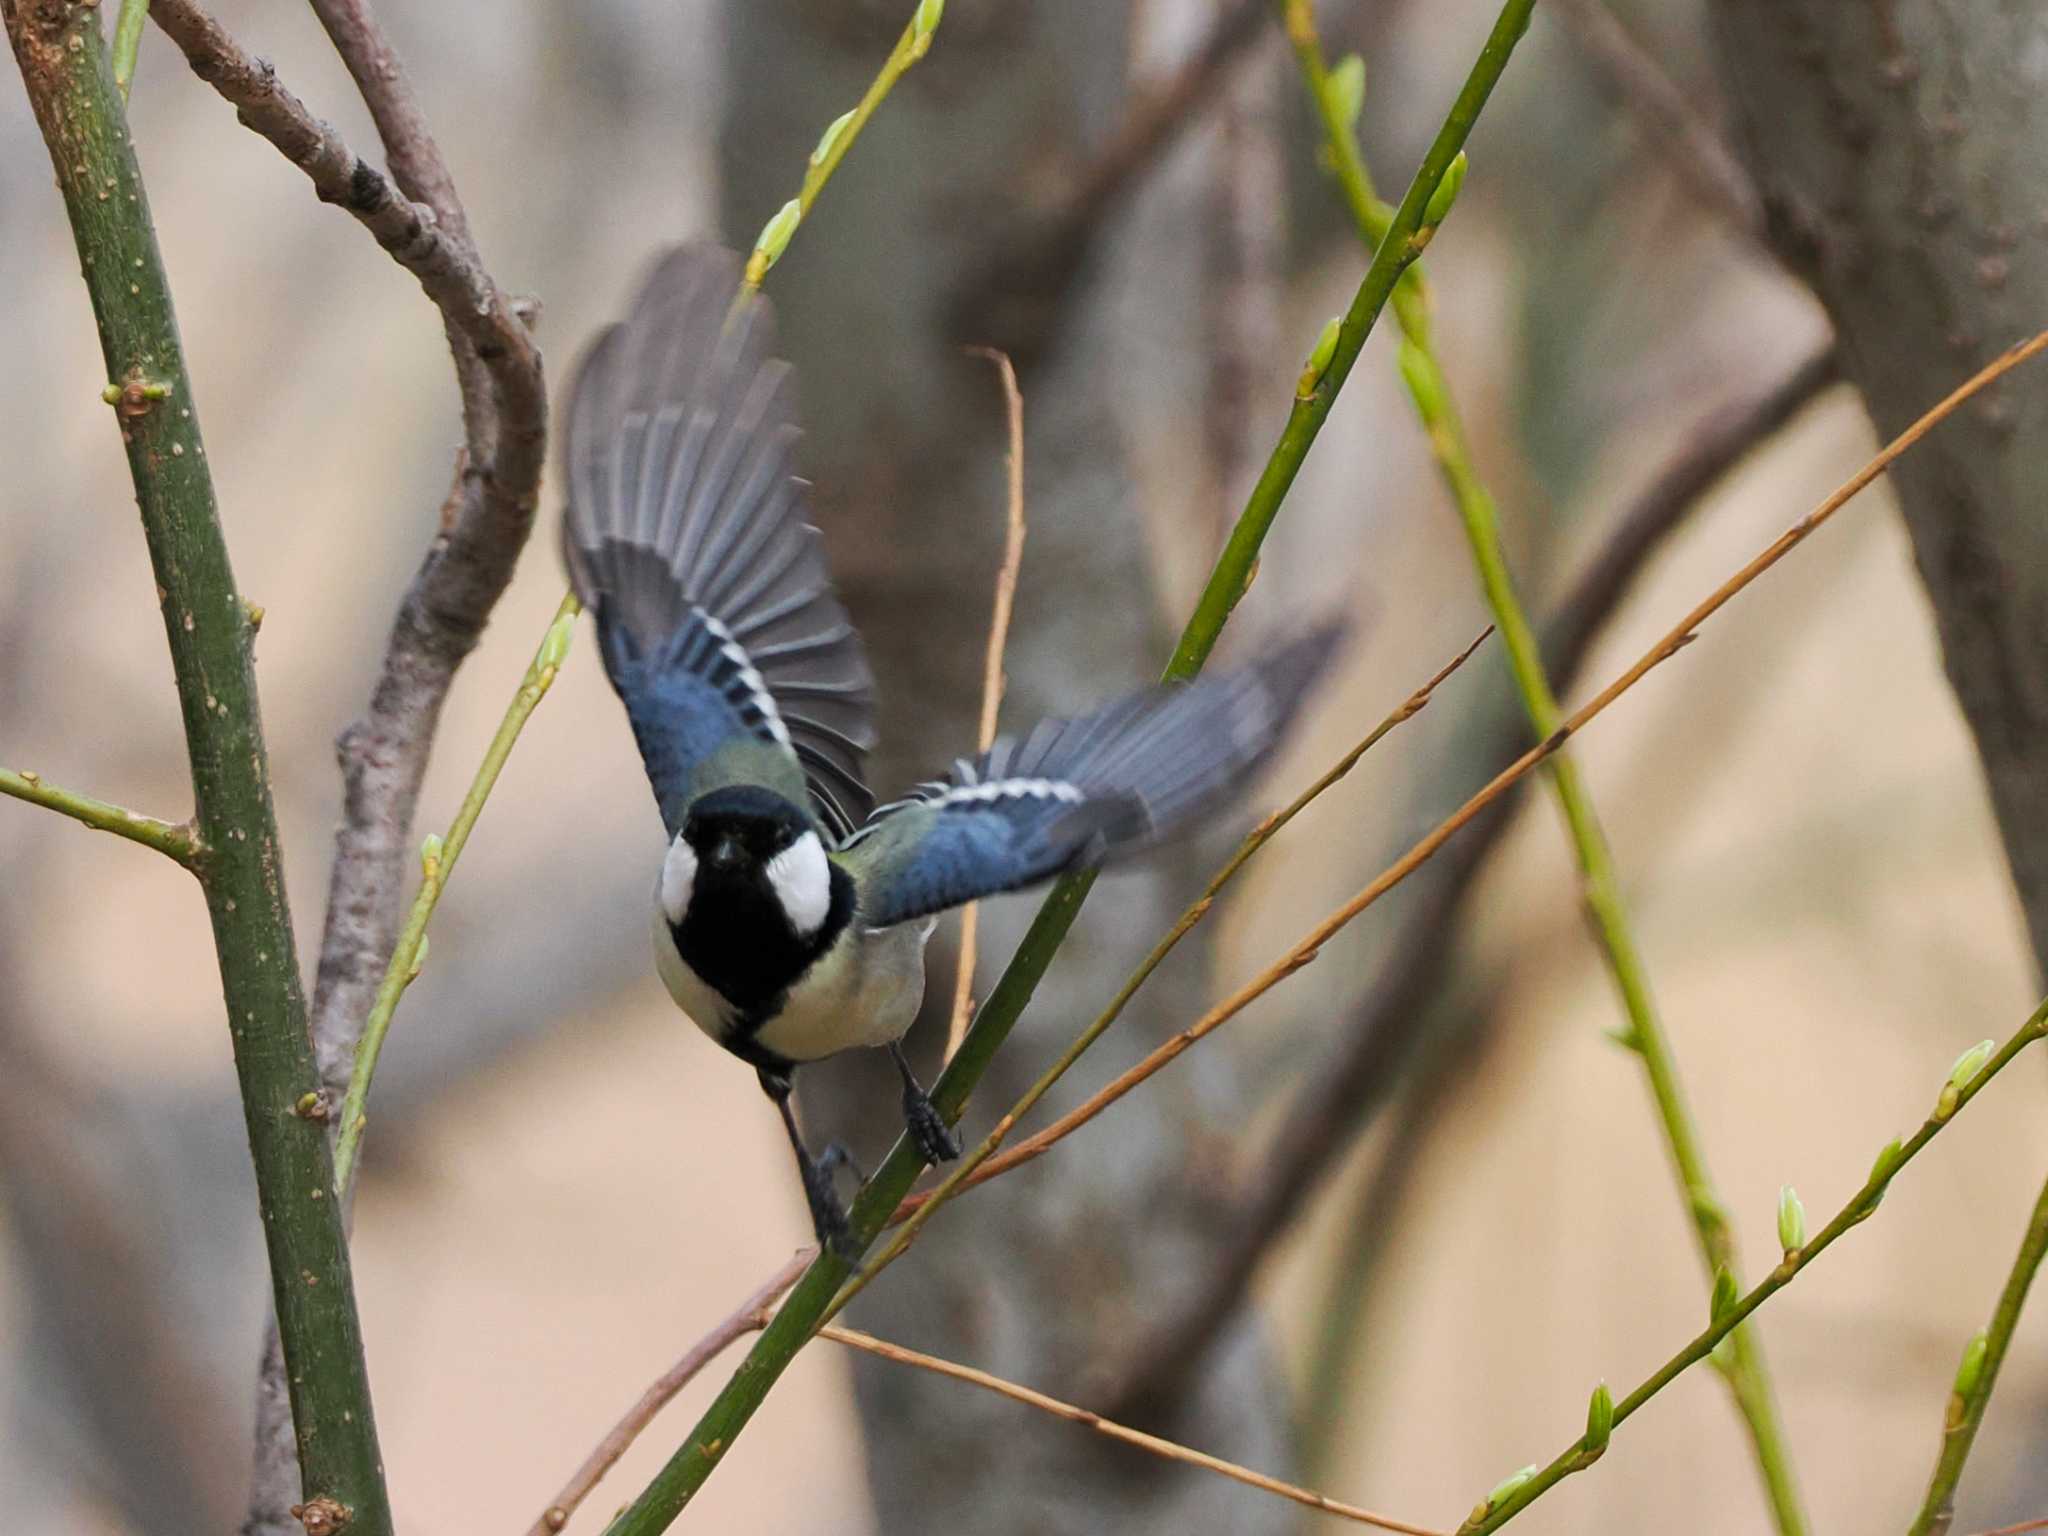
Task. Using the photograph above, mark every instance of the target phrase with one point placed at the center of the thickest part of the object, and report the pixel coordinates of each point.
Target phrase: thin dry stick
(2019, 1530)
(992, 673)
(749, 1316)
(1170, 1450)
(1674, 640)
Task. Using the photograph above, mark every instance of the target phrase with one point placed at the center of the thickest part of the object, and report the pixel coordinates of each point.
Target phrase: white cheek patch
(802, 881)
(678, 879)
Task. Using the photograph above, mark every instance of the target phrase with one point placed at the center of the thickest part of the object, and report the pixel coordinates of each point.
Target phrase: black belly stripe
(737, 939)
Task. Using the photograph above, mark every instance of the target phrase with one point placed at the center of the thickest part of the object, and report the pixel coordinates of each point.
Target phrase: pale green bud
(430, 855)
(830, 137)
(1960, 1076)
(1599, 1420)
(554, 650)
(419, 960)
(923, 25)
(774, 239)
(1319, 358)
(1439, 205)
(1507, 1485)
(1791, 1221)
(1971, 1370)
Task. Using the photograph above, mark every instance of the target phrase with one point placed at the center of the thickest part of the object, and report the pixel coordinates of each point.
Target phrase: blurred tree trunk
(1902, 154)
(1041, 1278)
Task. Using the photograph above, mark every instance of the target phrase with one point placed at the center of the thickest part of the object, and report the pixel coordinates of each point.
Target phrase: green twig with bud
(174, 840)
(794, 1325)
(1337, 96)
(128, 42)
(838, 138)
(1494, 1513)
(67, 74)
(437, 861)
(1985, 1353)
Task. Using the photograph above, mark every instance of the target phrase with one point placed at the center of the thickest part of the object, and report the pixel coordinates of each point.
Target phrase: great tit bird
(791, 913)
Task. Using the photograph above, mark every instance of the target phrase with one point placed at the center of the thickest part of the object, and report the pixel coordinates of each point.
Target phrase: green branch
(693, 1462)
(838, 138)
(128, 42)
(1508, 1501)
(1743, 1361)
(65, 66)
(437, 862)
(1977, 1375)
(174, 841)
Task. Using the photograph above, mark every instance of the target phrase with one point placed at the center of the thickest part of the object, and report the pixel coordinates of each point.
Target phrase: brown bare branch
(750, 1316)
(1169, 1450)
(992, 671)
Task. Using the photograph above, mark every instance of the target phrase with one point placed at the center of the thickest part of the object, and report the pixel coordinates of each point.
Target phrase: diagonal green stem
(435, 868)
(838, 138)
(1973, 1389)
(69, 77)
(1492, 1514)
(1748, 1377)
(693, 1462)
(173, 841)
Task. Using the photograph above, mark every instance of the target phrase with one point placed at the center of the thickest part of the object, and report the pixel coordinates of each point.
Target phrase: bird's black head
(750, 856)
(750, 898)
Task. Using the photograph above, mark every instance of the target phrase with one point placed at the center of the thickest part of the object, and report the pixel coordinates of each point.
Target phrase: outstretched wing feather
(685, 534)
(1080, 792)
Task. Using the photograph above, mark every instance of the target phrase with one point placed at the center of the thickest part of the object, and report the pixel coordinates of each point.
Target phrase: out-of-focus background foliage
(566, 1183)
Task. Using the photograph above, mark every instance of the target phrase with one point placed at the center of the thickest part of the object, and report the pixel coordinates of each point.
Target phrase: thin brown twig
(992, 671)
(412, 232)
(749, 1317)
(2019, 1530)
(1674, 640)
(1168, 1449)
(1696, 154)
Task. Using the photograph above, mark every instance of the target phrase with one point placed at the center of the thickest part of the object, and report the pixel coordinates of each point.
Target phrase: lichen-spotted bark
(1898, 151)
(65, 67)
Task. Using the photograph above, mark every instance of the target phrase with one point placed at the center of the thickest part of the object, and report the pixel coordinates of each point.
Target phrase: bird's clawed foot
(828, 1215)
(934, 1139)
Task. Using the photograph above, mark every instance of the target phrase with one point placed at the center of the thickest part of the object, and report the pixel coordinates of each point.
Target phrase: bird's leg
(828, 1216)
(935, 1140)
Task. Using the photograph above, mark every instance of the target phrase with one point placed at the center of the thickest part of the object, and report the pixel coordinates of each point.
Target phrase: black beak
(725, 854)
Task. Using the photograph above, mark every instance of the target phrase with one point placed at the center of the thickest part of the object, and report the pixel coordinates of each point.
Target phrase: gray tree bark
(1039, 1279)
(1901, 149)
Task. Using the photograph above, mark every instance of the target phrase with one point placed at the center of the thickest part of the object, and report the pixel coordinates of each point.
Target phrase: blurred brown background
(566, 1184)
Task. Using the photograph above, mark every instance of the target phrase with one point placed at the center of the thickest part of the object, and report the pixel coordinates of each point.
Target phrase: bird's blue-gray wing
(1076, 793)
(685, 534)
